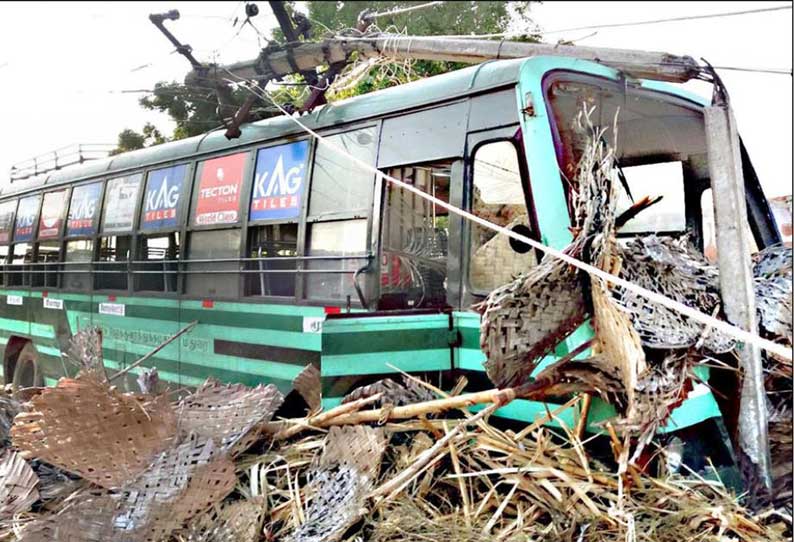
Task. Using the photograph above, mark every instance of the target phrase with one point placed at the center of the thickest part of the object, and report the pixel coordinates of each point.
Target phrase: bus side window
(20, 254)
(268, 276)
(161, 274)
(45, 273)
(213, 269)
(3, 263)
(340, 197)
(336, 246)
(414, 239)
(79, 253)
(498, 196)
(114, 255)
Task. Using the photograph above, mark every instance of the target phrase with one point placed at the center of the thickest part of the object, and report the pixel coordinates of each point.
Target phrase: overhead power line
(755, 70)
(617, 25)
(400, 11)
(669, 20)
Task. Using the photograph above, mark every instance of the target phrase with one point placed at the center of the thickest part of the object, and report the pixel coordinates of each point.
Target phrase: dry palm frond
(392, 393)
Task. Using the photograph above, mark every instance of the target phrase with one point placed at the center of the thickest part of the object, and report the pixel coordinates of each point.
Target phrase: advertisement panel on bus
(52, 214)
(26, 218)
(122, 194)
(161, 201)
(220, 184)
(279, 181)
(7, 209)
(83, 210)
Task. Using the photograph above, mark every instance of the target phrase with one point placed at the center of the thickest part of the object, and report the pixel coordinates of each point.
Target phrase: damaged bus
(287, 255)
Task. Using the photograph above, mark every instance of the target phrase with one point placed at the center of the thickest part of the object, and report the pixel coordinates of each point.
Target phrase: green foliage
(449, 18)
(195, 109)
(130, 140)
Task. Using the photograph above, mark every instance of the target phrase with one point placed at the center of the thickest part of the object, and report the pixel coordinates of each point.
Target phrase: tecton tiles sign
(218, 200)
(52, 214)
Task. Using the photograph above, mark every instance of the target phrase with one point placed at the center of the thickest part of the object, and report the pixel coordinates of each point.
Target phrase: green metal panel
(357, 350)
(150, 321)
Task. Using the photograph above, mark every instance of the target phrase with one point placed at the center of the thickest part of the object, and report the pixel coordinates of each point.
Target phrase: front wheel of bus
(26, 370)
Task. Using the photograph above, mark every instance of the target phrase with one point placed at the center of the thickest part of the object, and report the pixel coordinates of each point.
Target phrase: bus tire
(26, 368)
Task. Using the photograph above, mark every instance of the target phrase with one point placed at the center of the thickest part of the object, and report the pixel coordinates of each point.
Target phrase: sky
(66, 68)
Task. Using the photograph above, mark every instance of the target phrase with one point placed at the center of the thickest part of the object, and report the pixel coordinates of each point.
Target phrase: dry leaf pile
(439, 475)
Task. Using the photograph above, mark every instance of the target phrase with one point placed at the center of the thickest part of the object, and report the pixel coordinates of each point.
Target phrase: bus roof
(463, 82)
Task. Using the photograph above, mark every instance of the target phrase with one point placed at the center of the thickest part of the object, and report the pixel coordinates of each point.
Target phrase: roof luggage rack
(60, 158)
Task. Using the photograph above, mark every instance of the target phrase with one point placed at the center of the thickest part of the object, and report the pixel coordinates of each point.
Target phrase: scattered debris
(85, 427)
(17, 485)
(235, 521)
(309, 386)
(9, 408)
(339, 484)
(392, 393)
(228, 413)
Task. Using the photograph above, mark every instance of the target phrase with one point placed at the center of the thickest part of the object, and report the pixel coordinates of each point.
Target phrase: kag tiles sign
(83, 210)
(26, 218)
(161, 202)
(279, 181)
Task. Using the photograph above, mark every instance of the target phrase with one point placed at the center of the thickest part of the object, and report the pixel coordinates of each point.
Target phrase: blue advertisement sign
(26, 218)
(164, 189)
(82, 219)
(279, 181)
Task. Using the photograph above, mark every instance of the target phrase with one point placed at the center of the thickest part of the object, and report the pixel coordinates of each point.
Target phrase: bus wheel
(26, 369)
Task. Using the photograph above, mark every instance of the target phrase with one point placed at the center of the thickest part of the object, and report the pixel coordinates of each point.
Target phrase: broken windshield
(659, 141)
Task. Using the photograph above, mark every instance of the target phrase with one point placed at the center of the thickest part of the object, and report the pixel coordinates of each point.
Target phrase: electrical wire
(611, 25)
(400, 11)
(668, 20)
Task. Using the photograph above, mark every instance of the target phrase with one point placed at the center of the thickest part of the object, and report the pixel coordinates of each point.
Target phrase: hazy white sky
(63, 65)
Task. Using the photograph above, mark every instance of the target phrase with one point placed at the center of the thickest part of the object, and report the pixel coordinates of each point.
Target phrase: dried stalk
(325, 419)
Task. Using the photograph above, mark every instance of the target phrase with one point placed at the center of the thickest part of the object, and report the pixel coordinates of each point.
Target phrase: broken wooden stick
(171, 339)
(325, 418)
(394, 485)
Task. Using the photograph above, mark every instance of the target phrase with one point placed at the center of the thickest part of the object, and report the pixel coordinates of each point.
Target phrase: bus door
(496, 189)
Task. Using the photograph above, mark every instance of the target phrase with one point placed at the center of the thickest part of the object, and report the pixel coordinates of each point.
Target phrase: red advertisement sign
(52, 214)
(7, 210)
(219, 190)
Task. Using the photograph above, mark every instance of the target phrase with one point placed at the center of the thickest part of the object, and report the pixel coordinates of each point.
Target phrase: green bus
(285, 254)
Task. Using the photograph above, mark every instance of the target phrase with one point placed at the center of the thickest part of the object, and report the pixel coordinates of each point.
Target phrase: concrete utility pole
(308, 56)
(736, 278)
